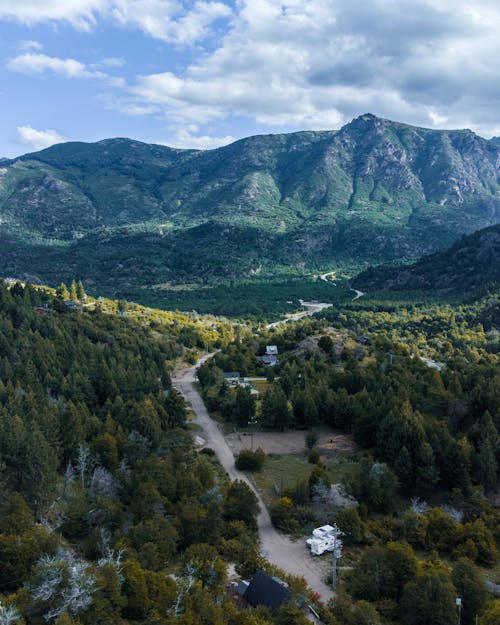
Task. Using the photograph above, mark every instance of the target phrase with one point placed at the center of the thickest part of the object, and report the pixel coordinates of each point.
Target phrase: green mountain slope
(469, 266)
(373, 191)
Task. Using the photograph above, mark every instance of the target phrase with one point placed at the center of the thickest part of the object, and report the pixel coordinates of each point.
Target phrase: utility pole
(336, 555)
(251, 423)
(458, 603)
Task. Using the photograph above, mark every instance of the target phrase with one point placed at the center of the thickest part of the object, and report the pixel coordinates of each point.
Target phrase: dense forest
(418, 389)
(107, 515)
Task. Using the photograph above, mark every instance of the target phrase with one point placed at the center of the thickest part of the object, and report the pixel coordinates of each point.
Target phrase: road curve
(292, 557)
(310, 309)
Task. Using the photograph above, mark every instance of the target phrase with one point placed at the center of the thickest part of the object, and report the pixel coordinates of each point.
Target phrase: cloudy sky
(202, 73)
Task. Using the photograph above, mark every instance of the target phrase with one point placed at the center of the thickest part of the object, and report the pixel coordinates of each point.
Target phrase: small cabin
(270, 361)
(265, 590)
(232, 377)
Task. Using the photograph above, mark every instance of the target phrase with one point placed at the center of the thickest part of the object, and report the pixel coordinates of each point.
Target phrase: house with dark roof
(272, 361)
(232, 377)
(267, 591)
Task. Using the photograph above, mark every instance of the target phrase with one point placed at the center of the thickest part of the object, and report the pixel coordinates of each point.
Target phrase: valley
(130, 446)
(250, 312)
(124, 216)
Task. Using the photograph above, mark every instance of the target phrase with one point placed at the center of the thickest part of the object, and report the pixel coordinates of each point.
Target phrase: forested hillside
(417, 388)
(122, 214)
(107, 515)
(469, 267)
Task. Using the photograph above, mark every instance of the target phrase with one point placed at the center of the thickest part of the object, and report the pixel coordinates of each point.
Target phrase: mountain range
(121, 212)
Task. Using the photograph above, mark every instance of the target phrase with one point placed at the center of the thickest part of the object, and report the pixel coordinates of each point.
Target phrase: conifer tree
(62, 292)
(80, 291)
(73, 292)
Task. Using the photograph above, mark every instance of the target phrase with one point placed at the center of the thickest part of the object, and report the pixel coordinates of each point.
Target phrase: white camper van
(325, 538)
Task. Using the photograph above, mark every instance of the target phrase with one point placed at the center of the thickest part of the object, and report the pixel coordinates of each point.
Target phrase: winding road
(292, 557)
(358, 294)
(310, 309)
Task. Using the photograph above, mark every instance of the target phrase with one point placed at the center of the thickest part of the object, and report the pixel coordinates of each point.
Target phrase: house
(270, 358)
(266, 590)
(271, 361)
(70, 305)
(245, 383)
(41, 310)
(232, 377)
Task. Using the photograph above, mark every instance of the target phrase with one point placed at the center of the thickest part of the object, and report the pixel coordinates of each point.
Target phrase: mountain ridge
(370, 192)
(470, 266)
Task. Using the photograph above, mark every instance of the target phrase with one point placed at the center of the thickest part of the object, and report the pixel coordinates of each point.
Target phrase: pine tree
(62, 292)
(486, 458)
(73, 292)
(80, 291)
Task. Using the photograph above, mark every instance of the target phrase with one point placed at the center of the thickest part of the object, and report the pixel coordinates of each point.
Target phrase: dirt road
(294, 558)
(310, 309)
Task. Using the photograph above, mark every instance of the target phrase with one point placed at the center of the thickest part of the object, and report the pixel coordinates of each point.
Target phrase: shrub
(311, 438)
(207, 451)
(248, 460)
(325, 343)
(313, 456)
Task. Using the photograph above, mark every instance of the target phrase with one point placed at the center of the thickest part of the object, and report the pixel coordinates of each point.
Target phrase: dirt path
(310, 309)
(294, 558)
(328, 274)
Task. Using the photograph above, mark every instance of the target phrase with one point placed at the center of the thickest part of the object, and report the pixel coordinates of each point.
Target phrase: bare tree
(103, 484)
(84, 463)
(323, 501)
(184, 585)
(8, 614)
(111, 557)
(64, 582)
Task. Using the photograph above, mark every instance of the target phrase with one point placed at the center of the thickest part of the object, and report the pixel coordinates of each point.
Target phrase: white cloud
(317, 64)
(436, 118)
(117, 82)
(80, 13)
(168, 19)
(173, 21)
(38, 139)
(40, 63)
(29, 45)
(188, 138)
(126, 105)
(296, 63)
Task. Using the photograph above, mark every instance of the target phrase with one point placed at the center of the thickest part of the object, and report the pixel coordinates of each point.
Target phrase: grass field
(284, 471)
(281, 472)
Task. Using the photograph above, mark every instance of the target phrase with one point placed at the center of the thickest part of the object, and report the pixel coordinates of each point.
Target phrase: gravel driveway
(294, 558)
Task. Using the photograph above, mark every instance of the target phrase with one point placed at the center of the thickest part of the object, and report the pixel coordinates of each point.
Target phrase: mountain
(373, 191)
(469, 266)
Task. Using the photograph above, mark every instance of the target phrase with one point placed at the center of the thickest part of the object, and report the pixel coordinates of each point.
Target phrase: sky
(203, 73)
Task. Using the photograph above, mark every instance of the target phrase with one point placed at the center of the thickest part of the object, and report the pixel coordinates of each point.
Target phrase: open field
(287, 458)
(330, 441)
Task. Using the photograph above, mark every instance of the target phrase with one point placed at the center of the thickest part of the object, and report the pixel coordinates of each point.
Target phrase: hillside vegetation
(418, 390)
(129, 214)
(107, 515)
(468, 267)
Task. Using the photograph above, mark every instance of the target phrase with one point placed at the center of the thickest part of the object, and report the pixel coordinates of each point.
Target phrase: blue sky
(203, 73)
